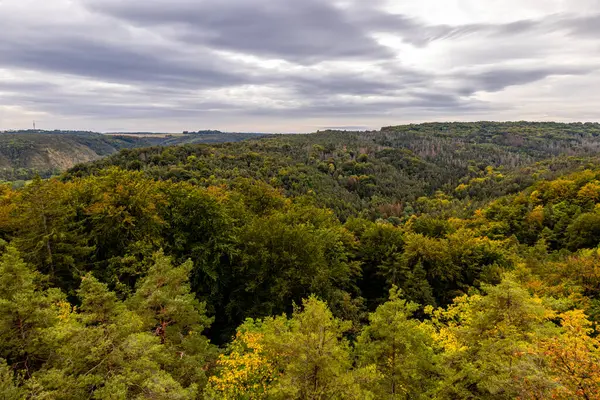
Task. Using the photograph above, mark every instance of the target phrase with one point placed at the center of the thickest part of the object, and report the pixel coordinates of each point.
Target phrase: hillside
(434, 261)
(379, 172)
(23, 154)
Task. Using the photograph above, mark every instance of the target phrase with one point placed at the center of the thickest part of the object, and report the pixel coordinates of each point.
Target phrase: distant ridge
(30, 152)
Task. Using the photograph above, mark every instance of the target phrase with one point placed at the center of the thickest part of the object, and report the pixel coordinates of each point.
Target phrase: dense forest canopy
(446, 261)
(379, 172)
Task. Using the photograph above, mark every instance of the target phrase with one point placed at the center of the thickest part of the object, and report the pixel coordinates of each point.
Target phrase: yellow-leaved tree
(574, 358)
(245, 372)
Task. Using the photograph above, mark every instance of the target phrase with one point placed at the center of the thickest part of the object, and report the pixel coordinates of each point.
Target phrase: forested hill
(24, 154)
(434, 261)
(379, 172)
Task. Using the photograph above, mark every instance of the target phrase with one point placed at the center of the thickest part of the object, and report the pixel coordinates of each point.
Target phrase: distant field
(147, 135)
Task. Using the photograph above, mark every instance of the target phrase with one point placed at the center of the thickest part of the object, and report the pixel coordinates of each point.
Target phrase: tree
(27, 310)
(245, 371)
(48, 234)
(200, 227)
(453, 264)
(379, 252)
(400, 348)
(120, 211)
(170, 311)
(312, 355)
(288, 254)
(574, 358)
(8, 386)
(584, 231)
(304, 357)
(106, 353)
(489, 344)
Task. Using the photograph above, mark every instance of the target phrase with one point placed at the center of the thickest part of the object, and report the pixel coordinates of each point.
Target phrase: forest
(432, 261)
(27, 153)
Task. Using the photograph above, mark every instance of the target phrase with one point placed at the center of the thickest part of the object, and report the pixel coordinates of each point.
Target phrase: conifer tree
(170, 311)
(26, 311)
(106, 353)
(9, 389)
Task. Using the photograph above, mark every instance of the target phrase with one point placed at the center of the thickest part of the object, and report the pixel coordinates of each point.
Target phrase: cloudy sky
(295, 65)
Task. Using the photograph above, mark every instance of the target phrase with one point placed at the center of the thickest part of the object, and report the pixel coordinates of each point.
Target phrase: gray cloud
(346, 128)
(106, 105)
(587, 26)
(360, 84)
(583, 26)
(104, 58)
(497, 79)
(307, 31)
(272, 60)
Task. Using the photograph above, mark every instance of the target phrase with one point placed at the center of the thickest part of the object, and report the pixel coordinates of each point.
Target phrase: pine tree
(27, 310)
(106, 353)
(9, 389)
(171, 312)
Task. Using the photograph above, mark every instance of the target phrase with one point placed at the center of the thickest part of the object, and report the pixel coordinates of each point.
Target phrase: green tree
(170, 311)
(201, 227)
(400, 348)
(584, 231)
(9, 387)
(313, 357)
(379, 251)
(47, 232)
(26, 311)
(120, 211)
(286, 255)
(106, 353)
(489, 344)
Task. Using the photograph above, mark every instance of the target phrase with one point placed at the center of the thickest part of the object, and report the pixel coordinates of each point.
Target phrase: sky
(295, 65)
